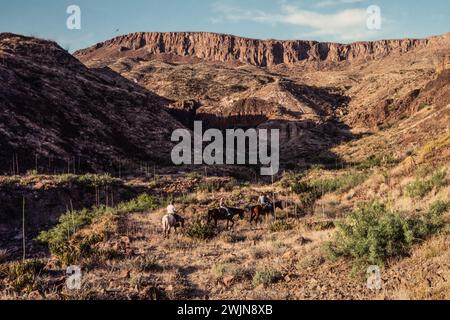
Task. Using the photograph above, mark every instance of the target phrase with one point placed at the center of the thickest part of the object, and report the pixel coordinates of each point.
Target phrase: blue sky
(322, 20)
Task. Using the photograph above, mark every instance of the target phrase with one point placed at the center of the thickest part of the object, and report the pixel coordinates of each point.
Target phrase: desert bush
(144, 202)
(422, 186)
(146, 264)
(373, 234)
(200, 231)
(62, 240)
(258, 253)
(320, 225)
(234, 238)
(264, 277)
(219, 270)
(24, 275)
(310, 262)
(279, 226)
(139, 282)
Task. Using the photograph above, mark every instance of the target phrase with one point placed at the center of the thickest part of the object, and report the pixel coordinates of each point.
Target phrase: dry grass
(284, 256)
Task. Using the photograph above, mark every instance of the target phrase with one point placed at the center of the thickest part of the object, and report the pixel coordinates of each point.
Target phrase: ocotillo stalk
(17, 164)
(23, 228)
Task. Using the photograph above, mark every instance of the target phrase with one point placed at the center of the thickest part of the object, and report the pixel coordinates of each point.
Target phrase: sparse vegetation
(234, 238)
(264, 277)
(320, 225)
(422, 186)
(139, 282)
(313, 189)
(378, 161)
(219, 270)
(279, 226)
(215, 185)
(309, 262)
(145, 264)
(59, 238)
(24, 275)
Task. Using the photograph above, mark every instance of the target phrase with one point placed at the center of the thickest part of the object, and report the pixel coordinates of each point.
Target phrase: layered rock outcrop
(262, 53)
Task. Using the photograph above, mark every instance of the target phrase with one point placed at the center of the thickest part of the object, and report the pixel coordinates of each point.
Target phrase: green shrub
(264, 277)
(200, 231)
(373, 234)
(59, 237)
(422, 186)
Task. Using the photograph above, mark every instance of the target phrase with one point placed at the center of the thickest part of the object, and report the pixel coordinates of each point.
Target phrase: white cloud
(341, 25)
(334, 3)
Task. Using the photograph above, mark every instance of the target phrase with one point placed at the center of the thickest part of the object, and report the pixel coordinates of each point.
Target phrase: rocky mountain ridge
(261, 53)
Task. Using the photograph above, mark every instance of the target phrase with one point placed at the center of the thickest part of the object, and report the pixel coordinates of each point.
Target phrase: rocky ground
(360, 124)
(136, 262)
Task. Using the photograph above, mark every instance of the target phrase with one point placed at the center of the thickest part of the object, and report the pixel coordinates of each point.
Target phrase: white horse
(170, 221)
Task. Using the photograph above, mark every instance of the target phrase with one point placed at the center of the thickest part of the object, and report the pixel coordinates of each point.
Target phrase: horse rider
(264, 201)
(172, 211)
(222, 206)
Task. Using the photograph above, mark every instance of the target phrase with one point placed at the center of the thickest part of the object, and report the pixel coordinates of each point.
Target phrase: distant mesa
(261, 53)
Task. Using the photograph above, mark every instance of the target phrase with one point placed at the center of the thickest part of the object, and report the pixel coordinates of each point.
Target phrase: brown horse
(221, 214)
(258, 211)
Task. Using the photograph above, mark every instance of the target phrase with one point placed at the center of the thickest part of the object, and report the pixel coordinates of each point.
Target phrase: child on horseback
(172, 211)
(222, 206)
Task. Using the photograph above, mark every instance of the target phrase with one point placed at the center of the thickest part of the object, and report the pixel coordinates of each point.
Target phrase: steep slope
(57, 114)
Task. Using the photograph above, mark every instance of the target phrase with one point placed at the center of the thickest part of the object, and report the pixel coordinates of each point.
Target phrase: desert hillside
(364, 180)
(56, 115)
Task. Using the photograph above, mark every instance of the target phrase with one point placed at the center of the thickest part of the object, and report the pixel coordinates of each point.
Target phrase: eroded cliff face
(262, 53)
